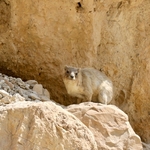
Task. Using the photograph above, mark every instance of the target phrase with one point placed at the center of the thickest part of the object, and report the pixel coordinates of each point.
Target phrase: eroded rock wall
(39, 37)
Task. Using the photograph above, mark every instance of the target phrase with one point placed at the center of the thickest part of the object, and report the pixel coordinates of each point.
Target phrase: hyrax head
(71, 72)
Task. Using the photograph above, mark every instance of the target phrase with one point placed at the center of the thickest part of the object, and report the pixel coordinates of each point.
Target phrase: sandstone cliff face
(39, 37)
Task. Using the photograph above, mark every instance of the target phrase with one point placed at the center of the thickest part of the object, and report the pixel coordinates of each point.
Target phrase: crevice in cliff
(79, 7)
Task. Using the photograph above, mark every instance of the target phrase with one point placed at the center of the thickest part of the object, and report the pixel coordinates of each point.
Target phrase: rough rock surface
(34, 124)
(146, 146)
(39, 37)
(42, 126)
(14, 89)
(109, 125)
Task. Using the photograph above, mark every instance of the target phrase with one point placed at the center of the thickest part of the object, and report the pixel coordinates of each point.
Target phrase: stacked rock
(14, 89)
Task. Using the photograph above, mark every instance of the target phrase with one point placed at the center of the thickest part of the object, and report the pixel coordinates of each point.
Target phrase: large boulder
(42, 126)
(109, 125)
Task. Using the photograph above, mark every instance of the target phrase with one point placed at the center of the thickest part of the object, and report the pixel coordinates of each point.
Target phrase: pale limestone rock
(34, 96)
(44, 98)
(1, 96)
(17, 97)
(11, 86)
(4, 93)
(5, 100)
(32, 83)
(21, 91)
(20, 83)
(42, 126)
(46, 93)
(11, 99)
(110, 35)
(109, 124)
(2, 81)
(38, 88)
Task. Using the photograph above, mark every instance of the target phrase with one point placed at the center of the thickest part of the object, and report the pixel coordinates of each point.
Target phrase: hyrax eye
(67, 71)
(76, 74)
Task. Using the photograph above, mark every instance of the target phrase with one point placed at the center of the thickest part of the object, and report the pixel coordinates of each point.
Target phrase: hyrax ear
(66, 67)
(79, 69)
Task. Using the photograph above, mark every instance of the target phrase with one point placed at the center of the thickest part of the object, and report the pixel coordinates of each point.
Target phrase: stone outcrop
(39, 37)
(14, 89)
(32, 124)
(42, 126)
(109, 125)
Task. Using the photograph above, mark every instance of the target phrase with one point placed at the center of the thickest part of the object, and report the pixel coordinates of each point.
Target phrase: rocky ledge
(30, 120)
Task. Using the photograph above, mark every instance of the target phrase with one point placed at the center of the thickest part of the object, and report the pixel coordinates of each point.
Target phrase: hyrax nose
(72, 76)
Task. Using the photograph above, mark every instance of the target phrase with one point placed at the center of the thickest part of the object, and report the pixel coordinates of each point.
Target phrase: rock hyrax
(88, 84)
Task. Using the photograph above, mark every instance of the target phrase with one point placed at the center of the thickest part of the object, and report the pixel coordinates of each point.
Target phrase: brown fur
(88, 84)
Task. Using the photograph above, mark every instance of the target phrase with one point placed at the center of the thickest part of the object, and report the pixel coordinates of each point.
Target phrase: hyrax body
(88, 84)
